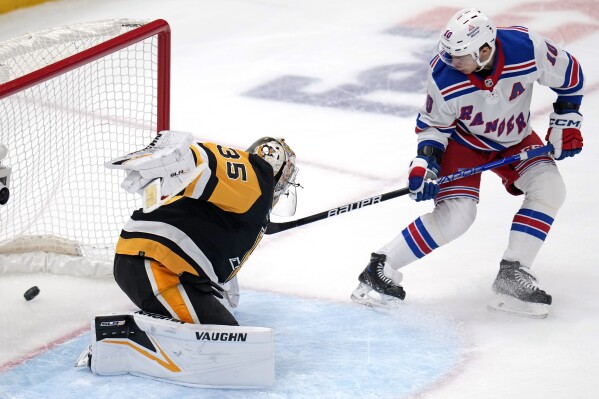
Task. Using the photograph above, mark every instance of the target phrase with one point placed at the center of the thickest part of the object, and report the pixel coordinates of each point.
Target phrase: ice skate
(376, 289)
(516, 292)
(84, 359)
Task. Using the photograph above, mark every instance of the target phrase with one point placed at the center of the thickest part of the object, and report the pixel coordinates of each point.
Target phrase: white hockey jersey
(493, 113)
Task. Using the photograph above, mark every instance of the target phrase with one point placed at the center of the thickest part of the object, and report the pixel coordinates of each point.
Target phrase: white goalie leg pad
(507, 304)
(158, 347)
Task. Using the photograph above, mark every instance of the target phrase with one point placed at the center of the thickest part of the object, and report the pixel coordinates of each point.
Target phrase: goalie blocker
(166, 349)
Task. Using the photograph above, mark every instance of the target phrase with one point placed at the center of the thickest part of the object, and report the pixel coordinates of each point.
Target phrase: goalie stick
(274, 227)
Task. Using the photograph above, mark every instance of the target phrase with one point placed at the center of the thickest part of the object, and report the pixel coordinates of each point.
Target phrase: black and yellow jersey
(212, 226)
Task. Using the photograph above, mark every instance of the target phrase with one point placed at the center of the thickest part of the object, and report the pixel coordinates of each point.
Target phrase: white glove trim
(152, 196)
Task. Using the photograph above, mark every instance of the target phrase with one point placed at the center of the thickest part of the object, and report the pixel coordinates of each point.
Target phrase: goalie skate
(84, 359)
(364, 295)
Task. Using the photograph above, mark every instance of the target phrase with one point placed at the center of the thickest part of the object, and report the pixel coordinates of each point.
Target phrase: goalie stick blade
(507, 304)
(364, 295)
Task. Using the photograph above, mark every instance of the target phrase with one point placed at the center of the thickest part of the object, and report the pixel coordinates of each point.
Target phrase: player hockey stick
(274, 227)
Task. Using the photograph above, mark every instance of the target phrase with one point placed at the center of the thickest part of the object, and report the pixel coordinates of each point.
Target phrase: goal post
(71, 98)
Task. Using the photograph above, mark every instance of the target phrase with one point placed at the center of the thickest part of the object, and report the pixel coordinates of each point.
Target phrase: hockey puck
(31, 293)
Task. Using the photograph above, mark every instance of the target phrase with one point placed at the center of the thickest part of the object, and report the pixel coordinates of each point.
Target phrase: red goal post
(71, 98)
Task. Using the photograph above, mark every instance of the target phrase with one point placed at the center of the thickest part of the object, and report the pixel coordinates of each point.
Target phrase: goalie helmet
(465, 33)
(277, 153)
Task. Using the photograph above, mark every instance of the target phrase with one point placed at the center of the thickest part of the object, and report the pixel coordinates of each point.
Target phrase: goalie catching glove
(161, 170)
(424, 170)
(564, 130)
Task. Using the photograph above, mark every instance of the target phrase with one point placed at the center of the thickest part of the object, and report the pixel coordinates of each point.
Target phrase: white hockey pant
(195, 355)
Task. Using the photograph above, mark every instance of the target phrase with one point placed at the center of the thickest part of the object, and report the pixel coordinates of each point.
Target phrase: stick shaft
(274, 227)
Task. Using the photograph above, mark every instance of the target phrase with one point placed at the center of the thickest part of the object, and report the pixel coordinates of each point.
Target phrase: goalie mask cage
(72, 98)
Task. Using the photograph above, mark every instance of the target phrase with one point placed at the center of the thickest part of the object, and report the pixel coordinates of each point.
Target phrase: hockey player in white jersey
(477, 109)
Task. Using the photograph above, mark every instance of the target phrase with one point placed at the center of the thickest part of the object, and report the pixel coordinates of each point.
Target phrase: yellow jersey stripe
(167, 284)
(247, 254)
(155, 250)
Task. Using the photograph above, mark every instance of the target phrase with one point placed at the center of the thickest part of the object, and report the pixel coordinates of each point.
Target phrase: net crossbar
(71, 98)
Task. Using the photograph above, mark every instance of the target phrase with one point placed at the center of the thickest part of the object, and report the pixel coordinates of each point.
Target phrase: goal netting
(71, 98)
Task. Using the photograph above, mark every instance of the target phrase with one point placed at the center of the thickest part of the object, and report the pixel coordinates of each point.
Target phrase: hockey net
(71, 98)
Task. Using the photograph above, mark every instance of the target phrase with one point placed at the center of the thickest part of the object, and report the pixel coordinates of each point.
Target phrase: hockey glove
(564, 133)
(166, 148)
(166, 167)
(422, 178)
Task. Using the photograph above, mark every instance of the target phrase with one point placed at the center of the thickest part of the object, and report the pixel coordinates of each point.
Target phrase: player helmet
(465, 33)
(277, 153)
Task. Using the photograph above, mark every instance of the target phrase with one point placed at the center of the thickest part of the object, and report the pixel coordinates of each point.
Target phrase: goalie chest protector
(214, 233)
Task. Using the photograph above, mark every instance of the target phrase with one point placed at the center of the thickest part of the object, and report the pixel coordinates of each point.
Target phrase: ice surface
(320, 346)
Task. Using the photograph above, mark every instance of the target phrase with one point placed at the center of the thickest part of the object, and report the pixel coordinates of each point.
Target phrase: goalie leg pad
(170, 350)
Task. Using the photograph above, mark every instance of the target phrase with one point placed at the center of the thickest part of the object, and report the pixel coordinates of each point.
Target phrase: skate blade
(84, 358)
(364, 295)
(507, 304)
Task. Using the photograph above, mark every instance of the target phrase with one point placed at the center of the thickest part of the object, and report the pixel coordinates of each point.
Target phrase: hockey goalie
(205, 209)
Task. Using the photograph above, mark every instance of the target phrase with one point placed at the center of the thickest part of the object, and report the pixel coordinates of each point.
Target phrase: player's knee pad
(450, 219)
(196, 355)
(543, 187)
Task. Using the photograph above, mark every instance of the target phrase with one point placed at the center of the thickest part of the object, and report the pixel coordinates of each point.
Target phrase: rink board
(322, 349)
